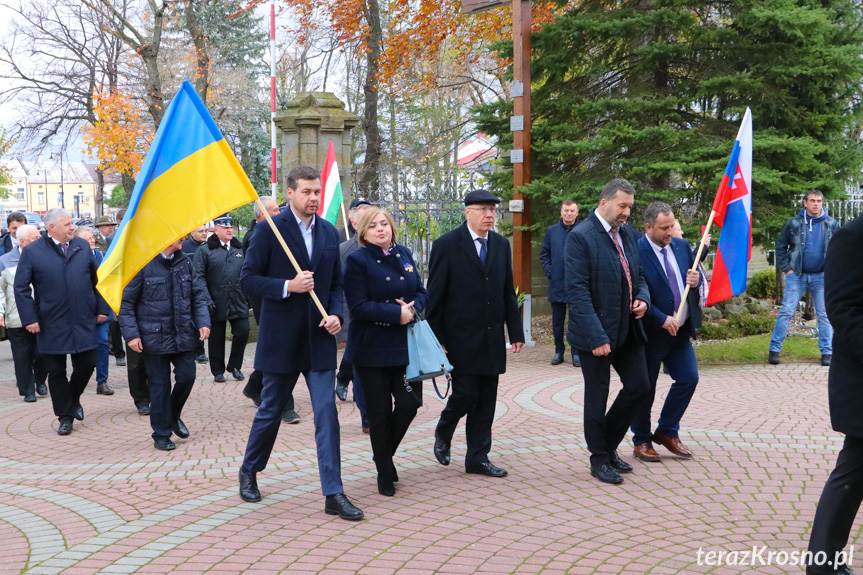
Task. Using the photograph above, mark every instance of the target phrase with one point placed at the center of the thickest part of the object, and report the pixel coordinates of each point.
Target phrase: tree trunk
(128, 187)
(369, 177)
(202, 78)
(98, 208)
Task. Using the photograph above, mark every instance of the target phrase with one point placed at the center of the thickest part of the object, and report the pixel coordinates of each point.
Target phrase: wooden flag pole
(345, 219)
(290, 255)
(701, 246)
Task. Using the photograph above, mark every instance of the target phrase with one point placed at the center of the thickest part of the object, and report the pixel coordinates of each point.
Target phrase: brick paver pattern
(103, 500)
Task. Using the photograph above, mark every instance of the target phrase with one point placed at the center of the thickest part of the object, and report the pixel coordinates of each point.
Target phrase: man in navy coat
(551, 257)
(608, 297)
(63, 310)
(667, 265)
(292, 336)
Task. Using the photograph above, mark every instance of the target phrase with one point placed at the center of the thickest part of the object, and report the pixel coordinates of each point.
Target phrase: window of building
(20, 193)
(41, 198)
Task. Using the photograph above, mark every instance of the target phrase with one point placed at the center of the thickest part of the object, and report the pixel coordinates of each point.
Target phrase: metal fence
(843, 211)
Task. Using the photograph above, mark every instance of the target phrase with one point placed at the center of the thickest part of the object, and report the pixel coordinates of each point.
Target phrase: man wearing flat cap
(217, 264)
(471, 298)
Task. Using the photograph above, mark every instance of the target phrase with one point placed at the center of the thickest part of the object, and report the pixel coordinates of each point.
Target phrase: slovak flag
(733, 214)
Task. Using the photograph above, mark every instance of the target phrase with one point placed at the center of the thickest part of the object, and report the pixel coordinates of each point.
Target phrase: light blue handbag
(426, 357)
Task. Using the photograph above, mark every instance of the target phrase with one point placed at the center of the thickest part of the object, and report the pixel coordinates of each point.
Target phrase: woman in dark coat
(383, 288)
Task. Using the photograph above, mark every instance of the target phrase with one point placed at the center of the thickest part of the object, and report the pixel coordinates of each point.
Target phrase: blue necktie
(482, 250)
(672, 279)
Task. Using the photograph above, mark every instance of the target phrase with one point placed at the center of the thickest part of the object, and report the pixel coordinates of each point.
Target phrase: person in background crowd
(293, 339)
(10, 240)
(115, 340)
(102, 388)
(607, 298)
(346, 371)
(62, 272)
(470, 265)
(383, 288)
(666, 263)
(551, 256)
(253, 388)
(217, 265)
(105, 227)
(196, 239)
(164, 311)
(30, 373)
(800, 253)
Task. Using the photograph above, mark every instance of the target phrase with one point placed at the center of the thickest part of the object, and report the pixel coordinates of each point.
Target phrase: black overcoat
(289, 339)
(551, 257)
(219, 269)
(64, 299)
(598, 307)
(470, 302)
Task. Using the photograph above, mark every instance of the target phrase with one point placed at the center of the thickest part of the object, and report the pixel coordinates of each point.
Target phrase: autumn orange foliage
(121, 134)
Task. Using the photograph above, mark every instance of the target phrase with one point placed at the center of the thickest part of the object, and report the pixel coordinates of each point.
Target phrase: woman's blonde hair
(366, 220)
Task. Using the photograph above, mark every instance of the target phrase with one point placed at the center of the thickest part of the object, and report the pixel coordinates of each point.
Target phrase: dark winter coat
(346, 248)
(289, 337)
(596, 286)
(190, 246)
(219, 270)
(165, 305)
(64, 299)
(470, 302)
(551, 257)
(792, 241)
(373, 283)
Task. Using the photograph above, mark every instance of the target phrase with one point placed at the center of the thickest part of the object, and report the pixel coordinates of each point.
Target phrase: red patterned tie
(623, 261)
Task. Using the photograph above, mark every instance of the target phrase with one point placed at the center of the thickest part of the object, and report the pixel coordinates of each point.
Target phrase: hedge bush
(762, 284)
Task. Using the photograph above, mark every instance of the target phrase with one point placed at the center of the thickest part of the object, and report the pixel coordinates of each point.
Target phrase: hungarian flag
(733, 213)
(331, 188)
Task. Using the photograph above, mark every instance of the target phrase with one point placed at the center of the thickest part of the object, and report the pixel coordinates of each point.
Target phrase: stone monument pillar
(308, 123)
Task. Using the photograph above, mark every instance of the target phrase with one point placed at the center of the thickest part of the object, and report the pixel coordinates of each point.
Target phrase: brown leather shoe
(673, 445)
(645, 452)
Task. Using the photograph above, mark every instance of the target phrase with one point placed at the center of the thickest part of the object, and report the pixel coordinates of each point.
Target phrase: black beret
(481, 197)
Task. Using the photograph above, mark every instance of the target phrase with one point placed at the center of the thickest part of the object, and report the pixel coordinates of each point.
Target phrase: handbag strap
(434, 383)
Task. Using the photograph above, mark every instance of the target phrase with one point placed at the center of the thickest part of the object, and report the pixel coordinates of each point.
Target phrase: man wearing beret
(471, 298)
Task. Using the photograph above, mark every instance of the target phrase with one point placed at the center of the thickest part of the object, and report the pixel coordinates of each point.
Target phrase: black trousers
(66, 392)
(199, 349)
(116, 339)
(29, 363)
(139, 387)
(558, 321)
(166, 404)
(604, 431)
(346, 370)
(838, 505)
(218, 331)
(474, 396)
(388, 423)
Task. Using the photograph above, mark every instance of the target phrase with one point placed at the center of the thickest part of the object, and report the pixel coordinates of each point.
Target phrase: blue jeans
(795, 286)
(103, 354)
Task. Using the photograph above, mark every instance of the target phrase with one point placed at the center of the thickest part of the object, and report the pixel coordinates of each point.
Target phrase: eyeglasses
(485, 210)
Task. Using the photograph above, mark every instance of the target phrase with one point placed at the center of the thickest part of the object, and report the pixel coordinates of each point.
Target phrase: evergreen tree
(654, 90)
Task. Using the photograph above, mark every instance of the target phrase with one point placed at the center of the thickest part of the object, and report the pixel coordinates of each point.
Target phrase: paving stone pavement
(102, 500)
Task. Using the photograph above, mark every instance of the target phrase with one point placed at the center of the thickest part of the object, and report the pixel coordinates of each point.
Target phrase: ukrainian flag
(189, 176)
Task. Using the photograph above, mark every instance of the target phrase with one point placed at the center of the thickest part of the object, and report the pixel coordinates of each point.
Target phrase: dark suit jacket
(346, 248)
(289, 339)
(661, 296)
(373, 283)
(843, 276)
(551, 257)
(596, 286)
(64, 301)
(7, 244)
(469, 303)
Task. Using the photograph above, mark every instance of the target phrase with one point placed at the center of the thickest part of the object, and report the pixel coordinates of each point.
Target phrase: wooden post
(521, 21)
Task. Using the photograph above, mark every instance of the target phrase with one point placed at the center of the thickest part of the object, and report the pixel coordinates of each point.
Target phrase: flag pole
(290, 255)
(345, 219)
(701, 247)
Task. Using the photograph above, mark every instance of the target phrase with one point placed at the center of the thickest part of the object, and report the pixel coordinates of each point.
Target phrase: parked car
(35, 219)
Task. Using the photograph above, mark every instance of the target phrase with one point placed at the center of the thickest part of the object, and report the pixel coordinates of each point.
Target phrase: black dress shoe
(104, 390)
(42, 389)
(342, 389)
(773, 358)
(290, 416)
(121, 362)
(341, 506)
(249, 487)
(841, 570)
(826, 359)
(238, 375)
(219, 378)
(202, 358)
(78, 412)
(441, 450)
(386, 486)
(606, 474)
(30, 398)
(620, 465)
(144, 410)
(164, 444)
(576, 362)
(486, 469)
(557, 359)
(255, 397)
(180, 429)
(65, 427)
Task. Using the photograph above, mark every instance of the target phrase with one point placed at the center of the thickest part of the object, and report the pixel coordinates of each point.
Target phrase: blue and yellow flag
(189, 176)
